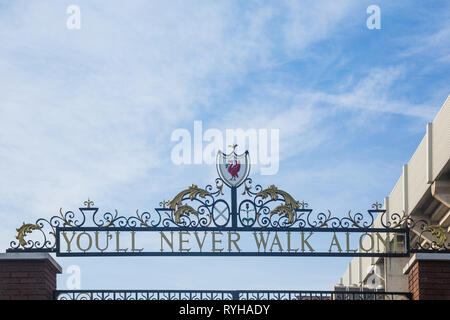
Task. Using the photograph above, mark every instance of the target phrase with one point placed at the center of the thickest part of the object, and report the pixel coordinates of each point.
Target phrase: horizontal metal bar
(240, 229)
(31, 250)
(229, 254)
(430, 250)
(368, 291)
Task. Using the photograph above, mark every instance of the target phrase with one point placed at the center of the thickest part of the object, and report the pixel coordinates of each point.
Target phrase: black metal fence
(226, 295)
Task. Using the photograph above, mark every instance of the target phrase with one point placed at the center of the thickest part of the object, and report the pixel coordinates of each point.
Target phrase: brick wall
(430, 280)
(27, 279)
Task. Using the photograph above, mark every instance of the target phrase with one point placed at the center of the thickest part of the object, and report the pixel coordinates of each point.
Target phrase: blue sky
(89, 113)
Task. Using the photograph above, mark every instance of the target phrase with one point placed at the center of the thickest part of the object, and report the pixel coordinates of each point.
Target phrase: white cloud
(373, 93)
(432, 45)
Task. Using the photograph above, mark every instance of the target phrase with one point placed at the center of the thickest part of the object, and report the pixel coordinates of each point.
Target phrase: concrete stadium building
(422, 192)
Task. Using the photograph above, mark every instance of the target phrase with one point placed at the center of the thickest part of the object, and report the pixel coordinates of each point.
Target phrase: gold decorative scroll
(439, 232)
(289, 206)
(25, 229)
(177, 202)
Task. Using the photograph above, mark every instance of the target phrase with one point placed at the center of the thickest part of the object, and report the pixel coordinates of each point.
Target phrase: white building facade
(422, 192)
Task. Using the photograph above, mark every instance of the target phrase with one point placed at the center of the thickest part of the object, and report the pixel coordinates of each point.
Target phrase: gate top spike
(233, 147)
(88, 203)
(376, 205)
(304, 204)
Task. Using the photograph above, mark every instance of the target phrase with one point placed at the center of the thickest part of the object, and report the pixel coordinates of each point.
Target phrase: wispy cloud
(375, 93)
(85, 110)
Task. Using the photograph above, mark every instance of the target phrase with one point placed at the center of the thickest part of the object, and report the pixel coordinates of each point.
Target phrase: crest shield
(233, 168)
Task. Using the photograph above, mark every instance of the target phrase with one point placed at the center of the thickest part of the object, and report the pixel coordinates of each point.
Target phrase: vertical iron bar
(234, 207)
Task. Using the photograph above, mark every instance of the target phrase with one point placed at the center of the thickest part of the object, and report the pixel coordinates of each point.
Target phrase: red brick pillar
(429, 276)
(27, 276)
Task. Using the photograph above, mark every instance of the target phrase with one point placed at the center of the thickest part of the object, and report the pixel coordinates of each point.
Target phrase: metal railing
(226, 295)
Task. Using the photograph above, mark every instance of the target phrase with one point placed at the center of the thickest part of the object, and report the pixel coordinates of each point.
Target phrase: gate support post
(429, 276)
(27, 276)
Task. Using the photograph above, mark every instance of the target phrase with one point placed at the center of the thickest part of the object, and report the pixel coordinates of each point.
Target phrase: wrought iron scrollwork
(430, 237)
(255, 208)
(44, 238)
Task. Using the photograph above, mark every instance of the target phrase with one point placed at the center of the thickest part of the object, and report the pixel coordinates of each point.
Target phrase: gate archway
(233, 217)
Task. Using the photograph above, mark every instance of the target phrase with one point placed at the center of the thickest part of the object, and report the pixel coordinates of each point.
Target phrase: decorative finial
(88, 203)
(164, 203)
(376, 205)
(233, 146)
(304, 204)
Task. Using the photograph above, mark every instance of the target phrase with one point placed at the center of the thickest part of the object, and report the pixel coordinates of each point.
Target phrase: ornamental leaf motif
(324, 222)
(284, 209)
(177, 202)
(289, 206)
(67, 222)
(25, 229)
(141, 220)
(184, 209)
(439, 232)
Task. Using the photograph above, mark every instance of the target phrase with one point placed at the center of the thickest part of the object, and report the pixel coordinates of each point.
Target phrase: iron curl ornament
(232, 203)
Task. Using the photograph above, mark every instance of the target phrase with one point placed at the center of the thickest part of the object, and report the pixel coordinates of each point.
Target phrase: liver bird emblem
(233, 168)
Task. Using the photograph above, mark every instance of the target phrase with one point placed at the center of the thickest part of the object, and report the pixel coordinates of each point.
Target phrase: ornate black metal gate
(255, 222)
